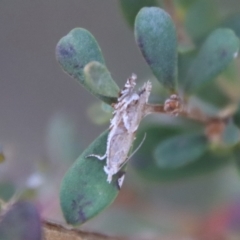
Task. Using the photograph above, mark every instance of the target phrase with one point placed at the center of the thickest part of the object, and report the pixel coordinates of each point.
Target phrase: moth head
(131, 81)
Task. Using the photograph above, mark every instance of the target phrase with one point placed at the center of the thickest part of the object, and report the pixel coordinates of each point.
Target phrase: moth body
(128, 113)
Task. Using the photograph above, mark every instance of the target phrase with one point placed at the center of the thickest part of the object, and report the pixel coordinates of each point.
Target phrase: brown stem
(54, 231)
(195, 114)
(154, 108)
(214, 126)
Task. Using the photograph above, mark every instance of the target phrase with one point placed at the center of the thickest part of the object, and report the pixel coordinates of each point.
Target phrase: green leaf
(155, 35)
(145, 164)
(21, 222)
(236, 116)
(185, 3)
(100, 83)
(130, 8)
(84, 190)
(212, 94)
(7, 189)
(75, 50)
(185, 58)
(180, 150)
(63, 144)
(201, 18)
(230, 75)
(233, 23)
(236, 151)
(98, 115)
(220, 48)
(231, 134)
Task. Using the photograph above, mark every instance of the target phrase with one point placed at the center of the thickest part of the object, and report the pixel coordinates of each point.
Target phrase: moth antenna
(141, 143)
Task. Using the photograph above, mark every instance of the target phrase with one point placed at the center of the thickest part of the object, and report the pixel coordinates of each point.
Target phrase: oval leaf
(180, 150)
(201, 18)
(75, 50)
(7, 189)
(185, 58)
(62, 141)
(84, 190)
(99, 81)
(130, 8)
(233, 23)
(21, 222)
(213, 95)
(185, 4)
(231, 134)
(236, 116)
(145, 164)
(236, 151)
(98, 115)
(155, 35)
(220, 48)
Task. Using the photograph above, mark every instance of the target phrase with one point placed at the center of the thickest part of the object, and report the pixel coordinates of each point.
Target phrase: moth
(130, 109)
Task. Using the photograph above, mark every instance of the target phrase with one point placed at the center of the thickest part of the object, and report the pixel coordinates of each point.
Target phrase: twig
(54, 231)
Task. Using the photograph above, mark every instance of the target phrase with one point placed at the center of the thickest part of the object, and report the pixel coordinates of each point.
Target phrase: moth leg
(109, 178)
(109, 173)
(97, 156)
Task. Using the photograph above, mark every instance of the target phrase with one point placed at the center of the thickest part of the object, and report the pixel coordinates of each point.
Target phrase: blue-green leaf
(145, 164)
(236, 116)
(99, 113)
(21, 222)
(180, 150)
(236, 151)
(84, 190)
(130, 8)
(231, 134)
(218, 51)
(155, 35)
(100, 83)
(7, 189)
(185, 3)
(185, 58)
(233, 23)
(62, 141)
(75, 50)
(201, 18)
(212, 94)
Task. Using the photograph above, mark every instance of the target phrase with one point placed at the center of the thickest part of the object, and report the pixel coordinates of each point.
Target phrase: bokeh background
(33, 86)
(45, 122)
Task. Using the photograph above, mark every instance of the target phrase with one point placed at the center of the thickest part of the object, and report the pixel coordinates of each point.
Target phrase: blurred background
(45, 123)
